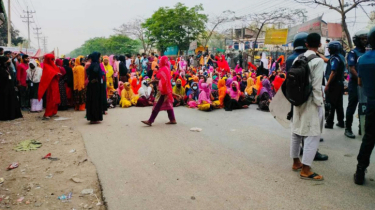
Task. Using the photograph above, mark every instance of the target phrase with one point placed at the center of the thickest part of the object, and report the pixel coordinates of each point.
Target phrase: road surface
(240, 160)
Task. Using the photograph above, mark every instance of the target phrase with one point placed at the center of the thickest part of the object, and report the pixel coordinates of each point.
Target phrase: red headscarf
(164, 76)
(48, 80)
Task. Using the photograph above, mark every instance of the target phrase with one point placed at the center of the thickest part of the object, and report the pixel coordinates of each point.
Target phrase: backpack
(297, 87)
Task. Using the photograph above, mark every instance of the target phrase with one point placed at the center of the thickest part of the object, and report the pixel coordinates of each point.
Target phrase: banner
(171, 51)
(276, 36)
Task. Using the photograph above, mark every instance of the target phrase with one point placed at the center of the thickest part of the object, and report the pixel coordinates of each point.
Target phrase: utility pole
(44, 39)
(37, 35)
(9, 26)
(28, 21)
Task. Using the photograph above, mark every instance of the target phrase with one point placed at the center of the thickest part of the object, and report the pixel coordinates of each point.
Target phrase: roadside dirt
(37, 183)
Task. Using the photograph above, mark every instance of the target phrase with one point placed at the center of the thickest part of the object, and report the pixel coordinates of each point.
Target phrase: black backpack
(297, 87)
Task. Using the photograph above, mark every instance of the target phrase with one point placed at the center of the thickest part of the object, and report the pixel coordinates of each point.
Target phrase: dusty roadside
(37, 183)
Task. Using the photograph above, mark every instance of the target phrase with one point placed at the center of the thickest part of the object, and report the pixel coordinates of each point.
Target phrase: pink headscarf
(164, 76)
(205, 94)
(234, 94)
(120, 87)
(238, 69)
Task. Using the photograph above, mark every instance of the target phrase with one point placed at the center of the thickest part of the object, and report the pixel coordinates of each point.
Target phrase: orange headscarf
(222, 91)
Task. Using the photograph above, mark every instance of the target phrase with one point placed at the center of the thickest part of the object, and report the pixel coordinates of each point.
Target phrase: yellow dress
(204, 106)
(128, 98)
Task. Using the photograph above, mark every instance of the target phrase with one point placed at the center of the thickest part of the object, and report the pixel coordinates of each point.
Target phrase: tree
(215, 22)
(134, 30)
(342, 7)
(116, 44)
(16, 39)
(279, 16)
(176, 26)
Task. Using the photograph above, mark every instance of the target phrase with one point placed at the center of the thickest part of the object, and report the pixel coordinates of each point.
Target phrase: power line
(37, 35)
(44, 39)
(28, 21)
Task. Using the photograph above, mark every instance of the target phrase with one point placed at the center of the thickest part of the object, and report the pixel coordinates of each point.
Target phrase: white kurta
(306, 120)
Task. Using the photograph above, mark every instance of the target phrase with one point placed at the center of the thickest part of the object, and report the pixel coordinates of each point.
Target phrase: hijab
(164, 76)
(222, 91)
(128, 92)
(229, 82)
(243, 85)
(267, 88)
(234, 94)
(179, 91)
(205, 94)
(194, 93)
(250, 86)
(145, 90)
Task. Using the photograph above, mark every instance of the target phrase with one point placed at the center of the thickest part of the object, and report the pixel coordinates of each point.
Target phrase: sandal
(297, 169)
(171, 123)
(312, 177)
(46, 118)
(147, 123)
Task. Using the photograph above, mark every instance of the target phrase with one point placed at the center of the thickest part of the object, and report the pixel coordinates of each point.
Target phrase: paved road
(239, 161)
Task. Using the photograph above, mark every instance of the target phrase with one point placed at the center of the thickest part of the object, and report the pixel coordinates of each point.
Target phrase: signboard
(311, 26)
(193, 45)
(171, 51)
(276, 36)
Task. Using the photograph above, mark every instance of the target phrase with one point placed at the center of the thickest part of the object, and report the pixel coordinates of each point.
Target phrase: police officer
(299, 45)
(360, 41)
(335, 85)
(366, 74)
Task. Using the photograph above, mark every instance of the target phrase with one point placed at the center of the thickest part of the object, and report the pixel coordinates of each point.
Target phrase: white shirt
(128, 62)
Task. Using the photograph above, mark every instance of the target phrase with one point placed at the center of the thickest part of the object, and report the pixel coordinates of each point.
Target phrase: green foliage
(176, 26)
(117, 44)
(16, 39)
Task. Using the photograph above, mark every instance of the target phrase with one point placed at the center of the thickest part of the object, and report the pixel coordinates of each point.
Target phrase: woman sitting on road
(127, 97)
(146, 97)
(194, 95)
(234, 99)
(265, 96)
(179, 93)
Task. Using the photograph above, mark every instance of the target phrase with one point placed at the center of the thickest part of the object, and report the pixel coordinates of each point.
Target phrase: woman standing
(34, 74)
(63, 97)
(79, 90)
(164, 97)
(9, 107)
(94, 104)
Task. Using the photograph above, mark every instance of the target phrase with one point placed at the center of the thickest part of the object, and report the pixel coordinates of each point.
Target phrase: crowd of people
(96, 83)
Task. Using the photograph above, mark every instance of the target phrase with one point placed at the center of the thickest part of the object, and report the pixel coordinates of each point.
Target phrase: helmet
(299, 42)
(360, 35)
(371, 37)
(334, 47)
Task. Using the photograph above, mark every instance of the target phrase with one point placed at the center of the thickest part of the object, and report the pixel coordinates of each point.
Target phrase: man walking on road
(366, 74)
(308, 117)
(360, 41)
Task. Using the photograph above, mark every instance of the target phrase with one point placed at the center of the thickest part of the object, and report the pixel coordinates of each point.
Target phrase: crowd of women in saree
(95, 83)
(204, 88)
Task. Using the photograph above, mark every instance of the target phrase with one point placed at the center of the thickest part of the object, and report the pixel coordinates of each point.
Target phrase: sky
(68, 24)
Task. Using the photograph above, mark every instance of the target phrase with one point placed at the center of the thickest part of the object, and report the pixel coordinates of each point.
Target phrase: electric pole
(28, 21)
(44, 44)
(37, 35)
(9, 26)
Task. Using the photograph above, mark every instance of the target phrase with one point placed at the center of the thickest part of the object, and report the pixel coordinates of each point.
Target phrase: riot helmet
(334, 47)
(360, 38)
(299, 42)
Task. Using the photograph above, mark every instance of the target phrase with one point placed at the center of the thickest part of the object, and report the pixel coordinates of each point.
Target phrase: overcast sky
(69, 23)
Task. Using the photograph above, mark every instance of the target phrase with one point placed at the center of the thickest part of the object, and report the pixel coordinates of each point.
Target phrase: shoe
(349, 133)
(321, 139)
(320, 157)
(341, 125)
(328, 126)
(359, 176)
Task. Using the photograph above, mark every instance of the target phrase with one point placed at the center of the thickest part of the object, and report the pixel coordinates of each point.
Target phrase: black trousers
(352, 106)
(368, 140)
(335, 96)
